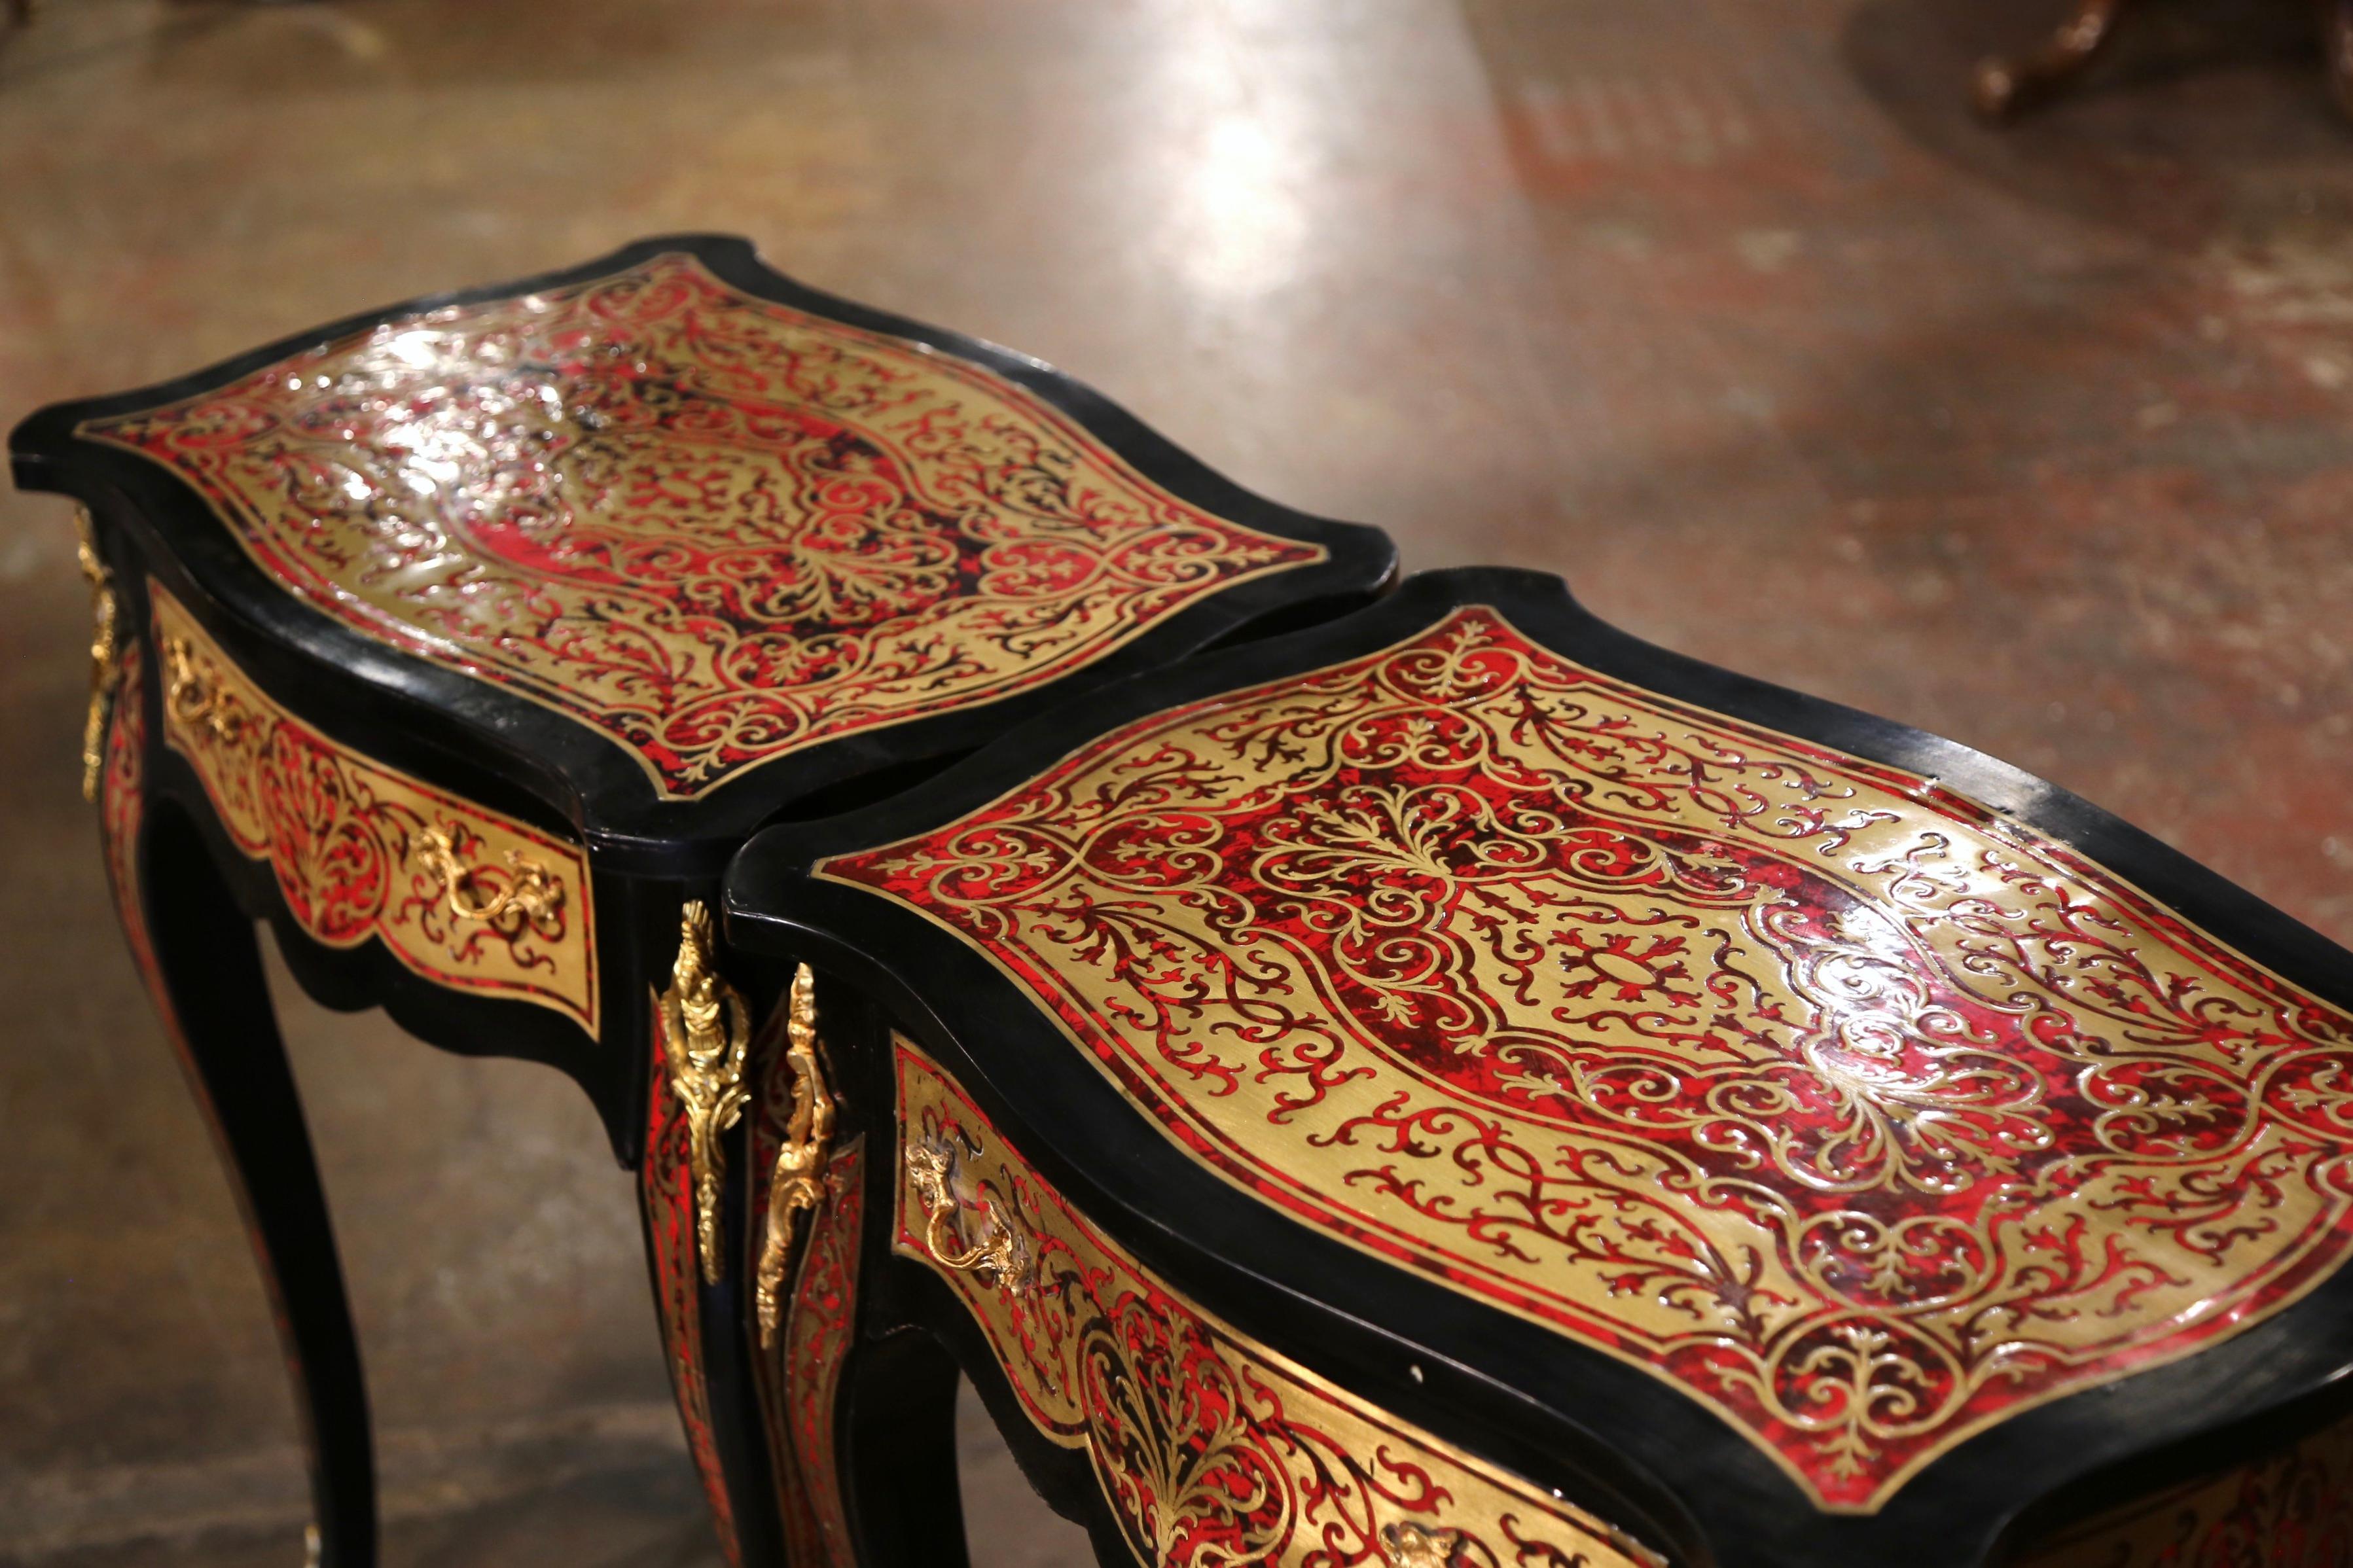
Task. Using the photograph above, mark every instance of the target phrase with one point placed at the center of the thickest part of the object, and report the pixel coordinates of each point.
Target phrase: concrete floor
(1724, 309)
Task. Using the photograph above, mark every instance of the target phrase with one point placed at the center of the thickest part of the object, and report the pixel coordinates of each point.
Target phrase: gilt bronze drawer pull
(194, 695)
(1005, 1256)
(526, 895)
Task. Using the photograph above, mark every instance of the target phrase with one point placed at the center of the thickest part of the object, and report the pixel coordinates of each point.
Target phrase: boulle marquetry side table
(467, 640)
(1458, 1087)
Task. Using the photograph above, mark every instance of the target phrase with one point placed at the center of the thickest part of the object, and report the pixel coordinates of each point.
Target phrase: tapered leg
(204, 968)
(2005, 86)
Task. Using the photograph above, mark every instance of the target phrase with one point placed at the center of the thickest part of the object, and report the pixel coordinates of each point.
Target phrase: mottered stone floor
(1724, 309)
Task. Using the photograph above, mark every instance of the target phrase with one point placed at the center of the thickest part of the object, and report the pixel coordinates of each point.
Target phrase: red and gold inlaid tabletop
(1858, 1114)
(716, 527)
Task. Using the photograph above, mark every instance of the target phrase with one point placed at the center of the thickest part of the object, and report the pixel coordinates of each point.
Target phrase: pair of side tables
(1406, 1077)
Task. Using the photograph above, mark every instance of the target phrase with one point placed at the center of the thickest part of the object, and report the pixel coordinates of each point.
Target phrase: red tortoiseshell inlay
(666, 1194)
(351, 842)
(714, 528)
(800, 1380)
(1848, 1108)
(1211, 1450)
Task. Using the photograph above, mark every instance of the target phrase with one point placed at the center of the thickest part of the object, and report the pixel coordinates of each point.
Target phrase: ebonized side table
(1458, 1087)
(466, 641)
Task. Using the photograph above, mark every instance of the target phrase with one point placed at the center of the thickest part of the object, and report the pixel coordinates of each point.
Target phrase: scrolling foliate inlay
(1858, 1114)
(716, 529)
(464, 897)
(1211, 1450)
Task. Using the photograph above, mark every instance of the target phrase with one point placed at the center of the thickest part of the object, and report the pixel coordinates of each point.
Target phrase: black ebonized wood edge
(1638, 1451)
(579, 774)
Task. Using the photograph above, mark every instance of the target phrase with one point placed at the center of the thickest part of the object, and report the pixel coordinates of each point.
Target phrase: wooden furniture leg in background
(2336, 42)
(208, 979)
(2005, 85)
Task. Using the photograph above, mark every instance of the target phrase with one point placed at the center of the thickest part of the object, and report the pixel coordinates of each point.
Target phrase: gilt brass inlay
(105, 660)
(1210, 1447)
(350, 841)
(715, 528)
(706, 1030)
(796, 1185)
(1860, 1114)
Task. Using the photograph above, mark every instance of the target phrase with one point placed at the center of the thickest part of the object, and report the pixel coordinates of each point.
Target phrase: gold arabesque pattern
(1855, 1112)
(361, 851)
(716, 529)
(1211, 1450)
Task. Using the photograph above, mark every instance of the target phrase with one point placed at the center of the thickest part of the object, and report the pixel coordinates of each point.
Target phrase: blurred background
(1726, 309)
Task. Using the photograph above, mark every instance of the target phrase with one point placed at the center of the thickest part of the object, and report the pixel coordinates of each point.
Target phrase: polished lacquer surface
(464, 897)
(1860, 1114)
(468, 631)
(1207, 1447)
(714, 527)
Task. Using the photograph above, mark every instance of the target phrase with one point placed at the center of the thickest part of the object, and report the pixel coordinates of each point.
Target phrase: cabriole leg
(899, 1471)
(688, 1184)
(203, 966)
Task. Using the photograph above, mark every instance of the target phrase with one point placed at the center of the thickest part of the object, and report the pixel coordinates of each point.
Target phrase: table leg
(899, 1459)
(690, 1190)
(204, 967)
(2005, 86)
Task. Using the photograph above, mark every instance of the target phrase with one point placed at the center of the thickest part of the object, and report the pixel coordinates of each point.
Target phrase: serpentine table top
(1786, 1137)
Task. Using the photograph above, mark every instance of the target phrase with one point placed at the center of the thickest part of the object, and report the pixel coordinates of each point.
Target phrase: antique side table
(465, 641)
(1458, 1087)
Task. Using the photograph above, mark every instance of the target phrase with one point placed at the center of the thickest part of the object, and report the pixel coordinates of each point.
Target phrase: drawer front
(464, 897)
(1208, 1447)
